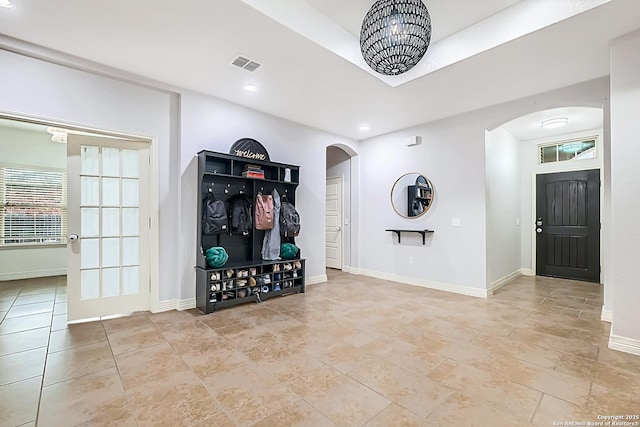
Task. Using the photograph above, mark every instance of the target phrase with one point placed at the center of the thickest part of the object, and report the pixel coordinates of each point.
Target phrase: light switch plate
(456, 222)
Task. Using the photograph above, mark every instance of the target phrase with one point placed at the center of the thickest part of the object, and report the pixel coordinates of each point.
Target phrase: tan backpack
(264, 212)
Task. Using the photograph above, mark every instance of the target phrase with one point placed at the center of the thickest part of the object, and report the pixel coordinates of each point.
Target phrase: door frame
(341, 178)
(534, 247)
(154, 202)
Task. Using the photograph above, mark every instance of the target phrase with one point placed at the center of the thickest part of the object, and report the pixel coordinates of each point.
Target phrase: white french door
(108, 226)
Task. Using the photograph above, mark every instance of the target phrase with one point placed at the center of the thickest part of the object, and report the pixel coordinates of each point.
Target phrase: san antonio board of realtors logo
(250, 149)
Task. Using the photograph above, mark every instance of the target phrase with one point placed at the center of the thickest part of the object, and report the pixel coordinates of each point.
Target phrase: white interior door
(333, 230)
(108, 226)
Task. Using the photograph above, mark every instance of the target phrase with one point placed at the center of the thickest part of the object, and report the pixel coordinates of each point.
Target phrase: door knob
(538, 230)
(73, 237)
(338, 228)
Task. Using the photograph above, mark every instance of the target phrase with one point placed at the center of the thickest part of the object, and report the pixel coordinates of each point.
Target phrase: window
(577, 149)
(33, 206)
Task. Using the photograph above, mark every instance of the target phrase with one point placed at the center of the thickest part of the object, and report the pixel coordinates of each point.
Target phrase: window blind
(33, 206)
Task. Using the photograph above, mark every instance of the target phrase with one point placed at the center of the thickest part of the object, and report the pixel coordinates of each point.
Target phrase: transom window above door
(575, 149)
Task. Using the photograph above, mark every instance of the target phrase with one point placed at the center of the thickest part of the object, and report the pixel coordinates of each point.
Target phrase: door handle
(538, 230)
(338, 228)
(73, 237)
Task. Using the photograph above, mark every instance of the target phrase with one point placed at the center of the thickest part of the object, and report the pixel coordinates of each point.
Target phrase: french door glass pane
(129, 192)
(110, 221)
(130, 221)
(110, 282)
(89, 191)
(110, 252)
(89, 284)
(110, 162)
(89, 160)
(110, 192)
(130, 163)
(90, 222)
(89, 253)
(130, 279)
(130, 251)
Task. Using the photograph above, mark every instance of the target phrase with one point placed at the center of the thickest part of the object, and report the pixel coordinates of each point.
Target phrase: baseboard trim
(527, 272)
(351, 270)
(186, 304)
(314, 280)
(503, 281)
(606, 315)
(627, 345)
(425, 283)
(19, 275)
(174, 304)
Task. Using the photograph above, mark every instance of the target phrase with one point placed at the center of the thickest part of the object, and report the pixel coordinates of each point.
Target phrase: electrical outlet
(410, 260)
(456, 222)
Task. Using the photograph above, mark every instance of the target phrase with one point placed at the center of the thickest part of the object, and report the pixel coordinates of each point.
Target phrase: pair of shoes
(252, 271)
(266, 279)
(215, 275)
(297, 264)
(276, 267)
(276, 287)
(287, 267)
(229, 273)
(242, 273)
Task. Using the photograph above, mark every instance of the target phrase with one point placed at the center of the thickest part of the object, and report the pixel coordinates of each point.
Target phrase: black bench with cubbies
(222, 175)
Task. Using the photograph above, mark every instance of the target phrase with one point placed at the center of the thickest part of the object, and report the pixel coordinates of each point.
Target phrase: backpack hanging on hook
(214, 216)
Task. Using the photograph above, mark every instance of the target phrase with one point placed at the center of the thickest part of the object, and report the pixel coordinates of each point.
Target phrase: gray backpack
(289, 220)
(214, 216)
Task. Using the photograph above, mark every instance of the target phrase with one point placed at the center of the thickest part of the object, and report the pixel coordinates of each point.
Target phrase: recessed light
(6, 4)
(250, 88)
(556, 122)
(364, 127)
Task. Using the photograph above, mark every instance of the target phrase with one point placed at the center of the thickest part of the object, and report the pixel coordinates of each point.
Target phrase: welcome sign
(250, 149)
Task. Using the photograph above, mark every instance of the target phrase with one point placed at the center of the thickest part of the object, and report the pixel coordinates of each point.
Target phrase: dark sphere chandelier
(395, 35)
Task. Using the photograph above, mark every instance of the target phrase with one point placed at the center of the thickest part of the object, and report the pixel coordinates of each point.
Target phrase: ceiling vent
(245, 63)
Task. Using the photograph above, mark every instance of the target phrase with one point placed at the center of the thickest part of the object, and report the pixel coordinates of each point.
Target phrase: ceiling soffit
(518, 20)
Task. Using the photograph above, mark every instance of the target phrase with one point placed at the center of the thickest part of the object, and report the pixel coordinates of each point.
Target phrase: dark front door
(568, 225)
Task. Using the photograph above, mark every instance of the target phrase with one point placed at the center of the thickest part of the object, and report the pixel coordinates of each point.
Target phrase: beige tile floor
(355, 351)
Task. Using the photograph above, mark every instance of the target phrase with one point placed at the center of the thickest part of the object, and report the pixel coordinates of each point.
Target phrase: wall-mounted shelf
(422, 232)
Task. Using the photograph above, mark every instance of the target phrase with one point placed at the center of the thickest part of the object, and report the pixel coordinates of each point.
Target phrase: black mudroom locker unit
(223, 177)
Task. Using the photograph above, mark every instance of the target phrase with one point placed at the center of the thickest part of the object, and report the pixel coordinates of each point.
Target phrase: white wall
(529, 168)
(452, 156)
(503, 205)
(625, 202)
(40, 89)
(339, 165)
(22, 147)
(209, 123)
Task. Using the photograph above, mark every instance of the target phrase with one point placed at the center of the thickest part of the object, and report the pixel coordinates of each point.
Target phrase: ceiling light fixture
(364, 127)
(395, 35)
(6, 4)
(251, 88)
(556, 122)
